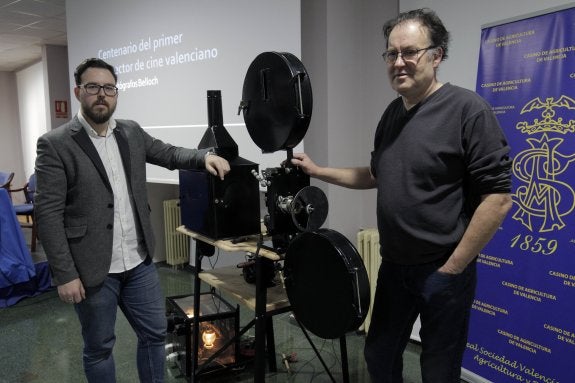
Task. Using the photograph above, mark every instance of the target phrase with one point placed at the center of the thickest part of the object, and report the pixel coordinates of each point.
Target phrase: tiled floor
(40, 341)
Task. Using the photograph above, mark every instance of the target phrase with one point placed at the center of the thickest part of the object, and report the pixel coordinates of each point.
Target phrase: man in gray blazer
(93, 219)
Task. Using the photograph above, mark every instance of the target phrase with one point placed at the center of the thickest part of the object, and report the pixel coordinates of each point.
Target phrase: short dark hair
(92, 63)
(429, 19)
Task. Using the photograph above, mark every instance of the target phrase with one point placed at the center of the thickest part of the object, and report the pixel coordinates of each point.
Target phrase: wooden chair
(27, 209)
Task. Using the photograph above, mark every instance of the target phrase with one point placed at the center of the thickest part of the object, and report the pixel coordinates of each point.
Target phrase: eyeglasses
(390, 57)
(93, 89)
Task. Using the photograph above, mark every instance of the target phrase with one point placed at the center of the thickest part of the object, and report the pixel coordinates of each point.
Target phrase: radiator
(177, 244)
(368, 248)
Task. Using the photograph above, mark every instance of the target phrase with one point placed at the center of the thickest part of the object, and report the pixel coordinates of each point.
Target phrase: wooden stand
(264, 301)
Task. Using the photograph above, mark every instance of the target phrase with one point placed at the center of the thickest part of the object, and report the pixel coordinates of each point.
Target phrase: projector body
(221, 209)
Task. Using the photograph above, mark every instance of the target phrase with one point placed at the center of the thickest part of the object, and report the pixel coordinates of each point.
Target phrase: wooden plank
(249, 245)
(230, 280)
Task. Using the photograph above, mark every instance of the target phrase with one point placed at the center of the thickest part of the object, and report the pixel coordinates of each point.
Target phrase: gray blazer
(74, 203)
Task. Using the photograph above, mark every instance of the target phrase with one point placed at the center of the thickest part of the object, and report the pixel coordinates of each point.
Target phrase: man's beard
(98, 117)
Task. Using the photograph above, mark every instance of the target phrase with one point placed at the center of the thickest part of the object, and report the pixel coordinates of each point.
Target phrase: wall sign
(61, 108)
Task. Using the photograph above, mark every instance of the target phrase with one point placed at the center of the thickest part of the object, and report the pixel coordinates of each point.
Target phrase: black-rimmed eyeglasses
(390, 57)
(93, 89)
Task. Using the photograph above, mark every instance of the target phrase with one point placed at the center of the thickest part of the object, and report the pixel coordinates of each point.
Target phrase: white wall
(56, 83)
(32, 108)
(10, 153)
(341, 49)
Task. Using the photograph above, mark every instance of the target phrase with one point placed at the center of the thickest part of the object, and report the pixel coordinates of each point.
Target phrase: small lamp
(209, 337)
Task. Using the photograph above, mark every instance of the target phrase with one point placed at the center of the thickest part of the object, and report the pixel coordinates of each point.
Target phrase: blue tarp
(19, 276)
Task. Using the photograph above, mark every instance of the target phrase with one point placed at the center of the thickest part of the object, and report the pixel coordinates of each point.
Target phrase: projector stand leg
(271, 344)
(316, 350)
(261, 299)
(344, 365)
(196, 319)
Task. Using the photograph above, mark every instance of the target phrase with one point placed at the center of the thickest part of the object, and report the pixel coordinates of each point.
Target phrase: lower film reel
(326, 283)
(309, 209)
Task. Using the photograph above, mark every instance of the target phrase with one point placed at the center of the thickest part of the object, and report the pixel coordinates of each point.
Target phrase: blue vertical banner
(523, 317)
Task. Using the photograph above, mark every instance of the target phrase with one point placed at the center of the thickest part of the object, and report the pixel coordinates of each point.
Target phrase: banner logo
(543, 199)
(547, 123)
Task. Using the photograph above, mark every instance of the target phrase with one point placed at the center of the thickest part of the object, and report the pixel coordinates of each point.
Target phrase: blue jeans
(138, 294)
(443, 302)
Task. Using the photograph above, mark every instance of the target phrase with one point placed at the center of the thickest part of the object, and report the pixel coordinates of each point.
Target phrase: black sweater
(432, 163)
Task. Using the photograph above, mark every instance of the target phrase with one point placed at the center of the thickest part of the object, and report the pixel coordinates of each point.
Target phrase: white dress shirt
(126, 252)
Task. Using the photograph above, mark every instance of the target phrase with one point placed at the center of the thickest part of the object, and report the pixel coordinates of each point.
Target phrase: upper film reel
(276, 101)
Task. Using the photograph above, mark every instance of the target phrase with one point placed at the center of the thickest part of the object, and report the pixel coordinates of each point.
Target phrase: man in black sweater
(442, 171)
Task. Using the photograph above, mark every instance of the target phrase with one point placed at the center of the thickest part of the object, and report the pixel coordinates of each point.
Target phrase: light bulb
(209, 337)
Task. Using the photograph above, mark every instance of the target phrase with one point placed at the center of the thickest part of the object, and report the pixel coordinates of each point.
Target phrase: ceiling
(27, 25)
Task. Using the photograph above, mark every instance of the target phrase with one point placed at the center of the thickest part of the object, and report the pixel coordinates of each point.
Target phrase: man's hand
(353, 178)
(305, 163)
(72, 292)
(217, 165)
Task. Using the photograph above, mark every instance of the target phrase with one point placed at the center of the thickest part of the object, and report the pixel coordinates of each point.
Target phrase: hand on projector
(217, 165)
(305, 163)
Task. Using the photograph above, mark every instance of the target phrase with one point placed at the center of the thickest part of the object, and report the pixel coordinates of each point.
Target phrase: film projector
(325, 279)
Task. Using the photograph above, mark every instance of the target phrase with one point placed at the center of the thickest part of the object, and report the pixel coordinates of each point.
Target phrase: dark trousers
(138, 294)
(443, 302)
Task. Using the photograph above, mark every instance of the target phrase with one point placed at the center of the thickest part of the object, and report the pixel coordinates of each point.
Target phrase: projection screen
(168, 54)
